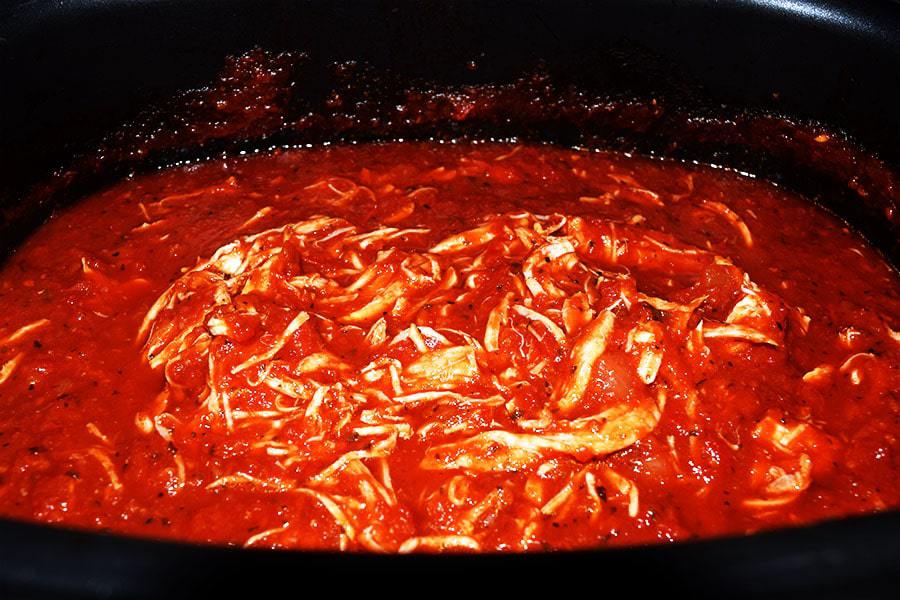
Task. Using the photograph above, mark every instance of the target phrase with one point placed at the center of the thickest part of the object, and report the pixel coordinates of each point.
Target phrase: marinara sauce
(461, 347)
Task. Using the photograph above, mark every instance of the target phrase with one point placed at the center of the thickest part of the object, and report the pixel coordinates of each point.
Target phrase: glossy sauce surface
(425, 347)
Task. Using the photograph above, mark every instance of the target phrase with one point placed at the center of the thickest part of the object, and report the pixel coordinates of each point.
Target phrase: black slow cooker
(94, 90)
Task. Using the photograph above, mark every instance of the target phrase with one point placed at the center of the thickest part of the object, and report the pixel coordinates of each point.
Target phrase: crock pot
(95, 90)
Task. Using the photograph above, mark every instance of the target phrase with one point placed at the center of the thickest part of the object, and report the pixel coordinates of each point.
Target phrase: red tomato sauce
(461, 347)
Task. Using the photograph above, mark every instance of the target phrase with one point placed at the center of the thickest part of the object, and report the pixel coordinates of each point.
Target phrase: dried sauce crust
(416, 355)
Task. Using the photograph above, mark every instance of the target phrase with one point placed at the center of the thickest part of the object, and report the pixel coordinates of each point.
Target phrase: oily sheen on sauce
(446, 347)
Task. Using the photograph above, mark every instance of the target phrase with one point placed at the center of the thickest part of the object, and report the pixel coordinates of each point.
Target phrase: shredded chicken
(261, 322)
